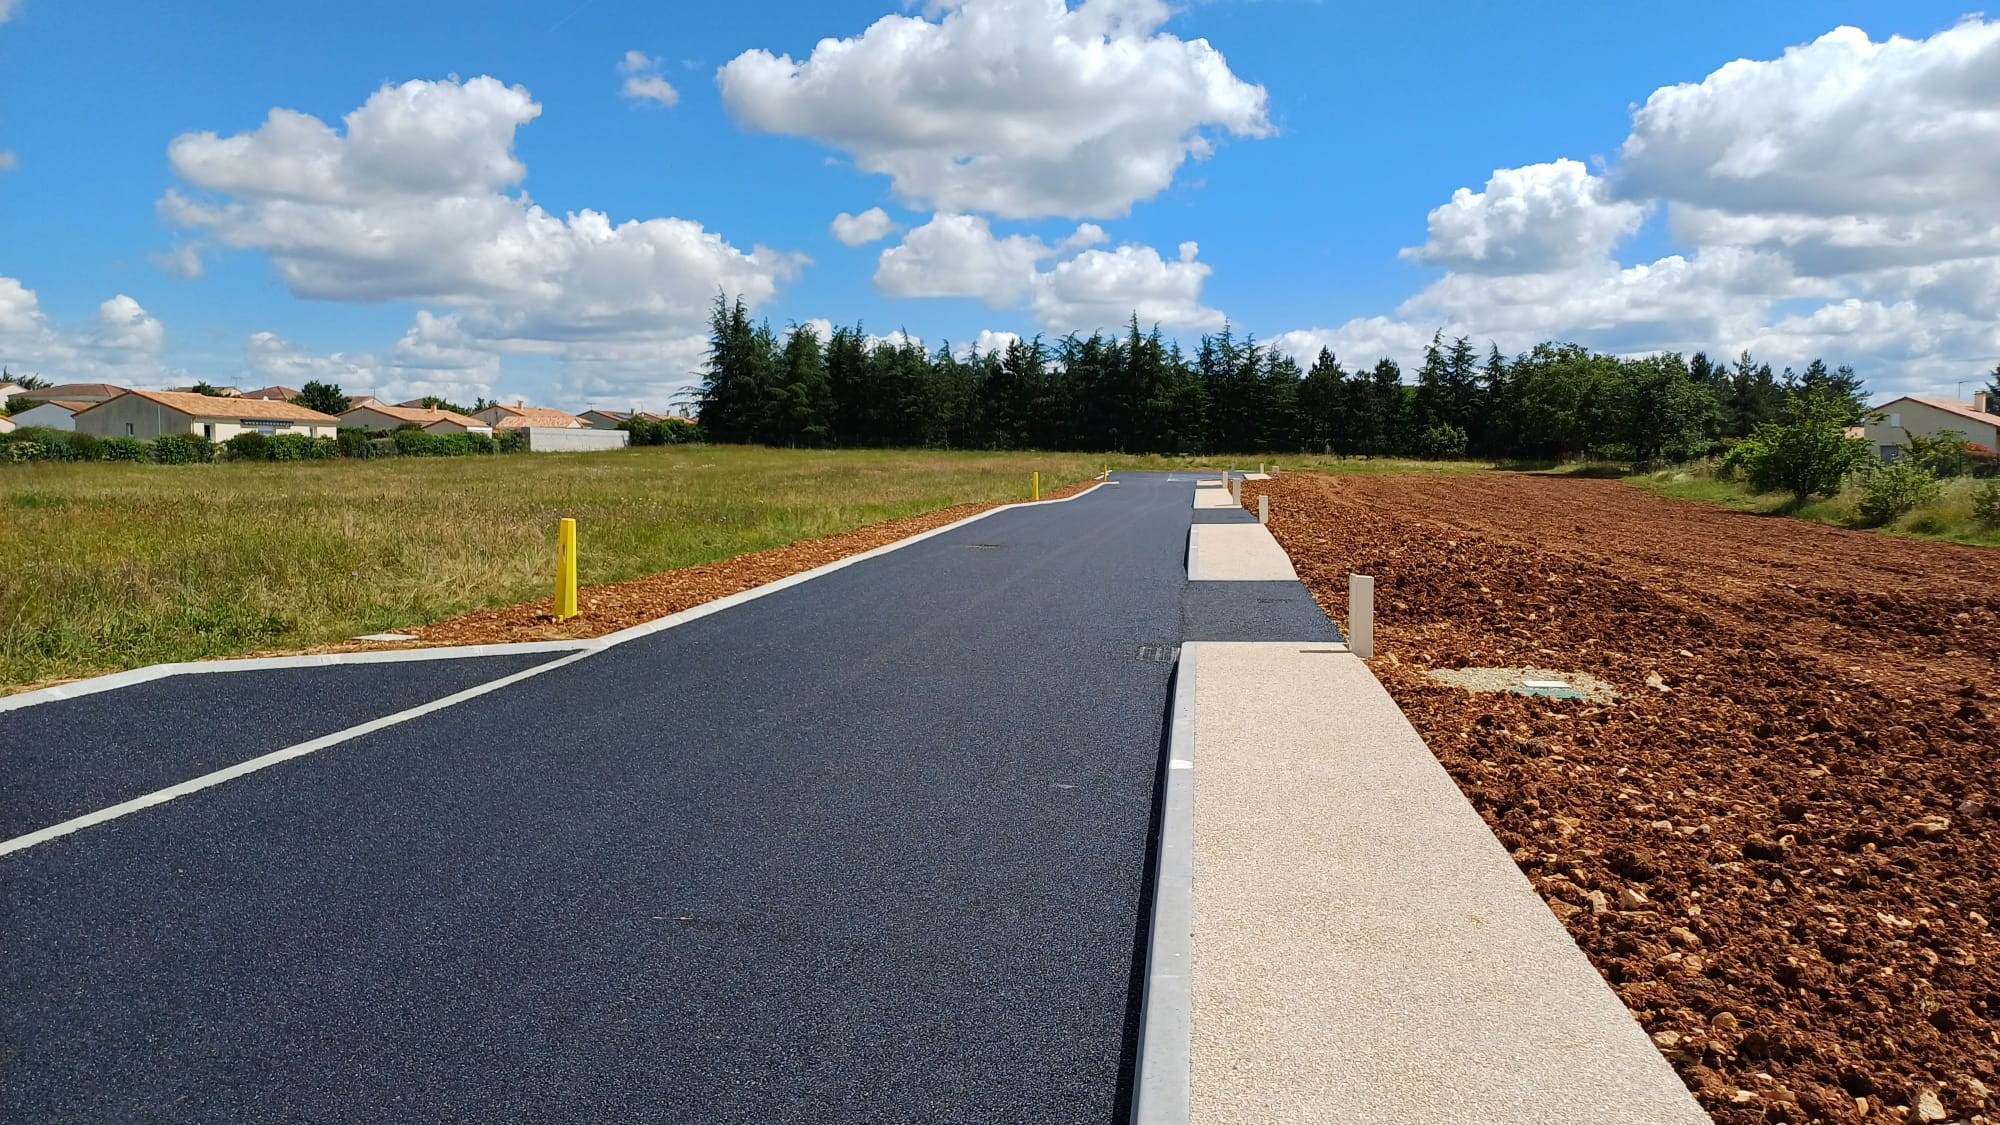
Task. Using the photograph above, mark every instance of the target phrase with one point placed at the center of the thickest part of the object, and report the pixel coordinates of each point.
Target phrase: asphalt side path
(871, 848)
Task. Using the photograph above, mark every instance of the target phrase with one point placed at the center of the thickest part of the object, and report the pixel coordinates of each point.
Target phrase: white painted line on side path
(579, 650)
(1163, 1082)
(230, 773)
(117, 680)
(151, 672)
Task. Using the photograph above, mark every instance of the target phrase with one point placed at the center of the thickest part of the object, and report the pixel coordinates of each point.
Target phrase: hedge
(39, 443)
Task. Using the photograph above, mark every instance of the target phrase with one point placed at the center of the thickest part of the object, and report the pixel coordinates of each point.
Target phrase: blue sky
(1021, 198)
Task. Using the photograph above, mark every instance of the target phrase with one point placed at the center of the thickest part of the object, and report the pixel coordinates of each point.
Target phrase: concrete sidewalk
(1363, 948)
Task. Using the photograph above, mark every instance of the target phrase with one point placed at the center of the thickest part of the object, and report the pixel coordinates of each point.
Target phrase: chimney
(1979, 401)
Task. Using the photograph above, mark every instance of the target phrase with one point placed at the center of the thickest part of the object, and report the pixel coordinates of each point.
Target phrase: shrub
(24, 449)
(249, 446)
(1808, 452)
(382, 447)
(299, 447)
(123, 449)
(1442, 443)
(644, 431)
(1946, 454)
(1737, 460)
(482, 443)
(1986, 505)
(416, 443)
(53, 445)
(511, 441)
(352, 442)
(183, 449)
(1893, 490)
(413, 442)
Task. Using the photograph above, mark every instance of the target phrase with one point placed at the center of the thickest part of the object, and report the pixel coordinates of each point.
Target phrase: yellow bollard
(1038, 486)
(566, 571)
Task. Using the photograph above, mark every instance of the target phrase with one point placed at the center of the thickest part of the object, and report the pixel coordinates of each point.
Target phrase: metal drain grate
(982, 546)
(1159, 654)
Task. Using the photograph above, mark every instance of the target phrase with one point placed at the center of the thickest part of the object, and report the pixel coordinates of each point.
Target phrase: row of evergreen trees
(1138, 393)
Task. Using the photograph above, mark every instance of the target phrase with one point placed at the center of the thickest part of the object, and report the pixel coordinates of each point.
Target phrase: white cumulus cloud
(1106, 288)
(1840, 201)
(1018, 108)
(871, 225)
(643, 82)
(1540, 217)
(123, 345)
(415, 201)
(959, 256)
(956, 255)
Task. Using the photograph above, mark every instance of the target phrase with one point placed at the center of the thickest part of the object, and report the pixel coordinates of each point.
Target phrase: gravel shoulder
(1781, 846)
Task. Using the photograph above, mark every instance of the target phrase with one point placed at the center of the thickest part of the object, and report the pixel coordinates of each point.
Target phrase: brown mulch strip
(621, 605)
(1784, 851)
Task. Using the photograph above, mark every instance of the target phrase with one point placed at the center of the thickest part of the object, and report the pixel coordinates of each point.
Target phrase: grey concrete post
(1235, 491)
(1263, 509)
(1361, 615)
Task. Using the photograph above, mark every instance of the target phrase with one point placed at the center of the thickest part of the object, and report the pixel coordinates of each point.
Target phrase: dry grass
(111, 566)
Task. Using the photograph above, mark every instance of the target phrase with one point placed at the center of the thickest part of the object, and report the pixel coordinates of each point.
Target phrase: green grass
(111, 566)
(1949, 520)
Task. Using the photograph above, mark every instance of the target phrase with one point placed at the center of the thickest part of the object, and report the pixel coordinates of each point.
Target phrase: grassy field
(1950, 519)
(110, 566)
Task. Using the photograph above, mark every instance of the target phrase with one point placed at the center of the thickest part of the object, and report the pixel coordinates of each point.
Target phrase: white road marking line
(230, 773)
(585, 648)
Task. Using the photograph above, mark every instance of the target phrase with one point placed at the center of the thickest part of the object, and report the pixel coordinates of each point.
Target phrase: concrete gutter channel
(1336, 934)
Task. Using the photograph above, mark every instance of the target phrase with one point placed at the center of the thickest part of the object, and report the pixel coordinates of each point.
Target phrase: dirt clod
(1815, 795)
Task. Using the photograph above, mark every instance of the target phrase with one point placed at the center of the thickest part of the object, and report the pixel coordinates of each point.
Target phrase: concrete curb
(1162, 1082)
(133, 676)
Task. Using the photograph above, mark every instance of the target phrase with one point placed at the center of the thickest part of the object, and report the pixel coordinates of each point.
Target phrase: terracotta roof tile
(209, 406)
(518, 417)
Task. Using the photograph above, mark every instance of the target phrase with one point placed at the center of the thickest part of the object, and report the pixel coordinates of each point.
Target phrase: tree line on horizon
(1139, 393)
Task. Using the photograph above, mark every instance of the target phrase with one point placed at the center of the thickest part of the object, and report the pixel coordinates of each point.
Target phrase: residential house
(395, 417)
(149, 414)
(529, 417)
(275, 394)
(76, 392)
(9, 390)
(603, 419)
(7, 425)
(356, 402)
(213, 391)
(58, 415)
(610, 419)
(1890, 426)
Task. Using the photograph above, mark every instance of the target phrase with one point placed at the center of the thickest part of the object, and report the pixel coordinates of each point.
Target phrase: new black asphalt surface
(67, 757)
(869, 849)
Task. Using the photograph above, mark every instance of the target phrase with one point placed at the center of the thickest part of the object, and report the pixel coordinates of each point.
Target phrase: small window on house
(1896, 419)
(128, 429)
(268, 429)
(208, 430)
(1891, 454)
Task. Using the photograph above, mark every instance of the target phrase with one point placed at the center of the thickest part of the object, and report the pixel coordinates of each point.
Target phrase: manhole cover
(1158, 654)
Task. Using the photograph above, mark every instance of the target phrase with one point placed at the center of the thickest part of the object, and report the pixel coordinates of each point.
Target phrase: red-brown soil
(1784, 851)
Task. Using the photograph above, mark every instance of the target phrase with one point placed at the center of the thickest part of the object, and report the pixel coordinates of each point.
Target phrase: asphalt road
(868, 849)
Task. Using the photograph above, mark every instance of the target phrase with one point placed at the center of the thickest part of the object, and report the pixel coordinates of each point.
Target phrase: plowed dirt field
(1781, 845)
